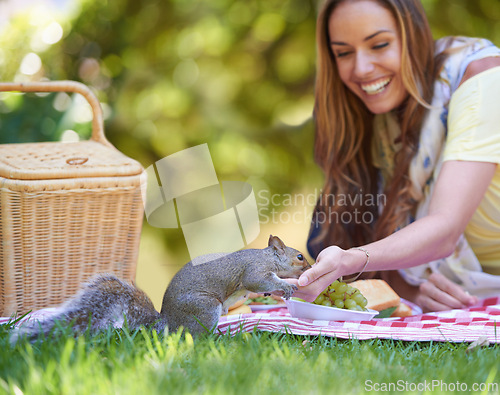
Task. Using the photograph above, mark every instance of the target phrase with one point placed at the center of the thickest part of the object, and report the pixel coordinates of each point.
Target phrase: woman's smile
(366, 44)
(376, 87)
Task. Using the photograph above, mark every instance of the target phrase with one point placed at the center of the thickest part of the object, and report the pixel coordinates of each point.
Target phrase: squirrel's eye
(300, 257)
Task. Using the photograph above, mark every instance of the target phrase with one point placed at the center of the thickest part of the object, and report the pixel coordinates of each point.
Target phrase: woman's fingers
(311, 291)
(439, 297)
(428, 304)
(452, 289)
(311, 275)
(325, 264)
(439, 293)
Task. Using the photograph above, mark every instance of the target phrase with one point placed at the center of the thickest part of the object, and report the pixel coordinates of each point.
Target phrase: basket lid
(54, 160)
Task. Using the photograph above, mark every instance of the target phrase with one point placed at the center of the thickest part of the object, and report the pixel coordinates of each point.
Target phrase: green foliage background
(238, 75)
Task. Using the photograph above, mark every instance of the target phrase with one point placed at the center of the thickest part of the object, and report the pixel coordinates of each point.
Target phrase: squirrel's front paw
(288, 290)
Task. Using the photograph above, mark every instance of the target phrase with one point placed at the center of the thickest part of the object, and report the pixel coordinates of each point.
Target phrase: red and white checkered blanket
(468, 325)
(482, 320)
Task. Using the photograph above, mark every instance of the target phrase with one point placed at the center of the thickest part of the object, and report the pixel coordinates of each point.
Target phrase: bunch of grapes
(343, 296)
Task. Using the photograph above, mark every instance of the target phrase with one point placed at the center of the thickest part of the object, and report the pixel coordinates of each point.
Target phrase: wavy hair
(344, 128)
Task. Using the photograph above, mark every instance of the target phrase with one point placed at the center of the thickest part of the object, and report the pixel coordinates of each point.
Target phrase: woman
(400, 116)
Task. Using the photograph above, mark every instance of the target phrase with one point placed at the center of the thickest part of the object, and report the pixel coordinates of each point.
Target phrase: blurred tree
(176, 74)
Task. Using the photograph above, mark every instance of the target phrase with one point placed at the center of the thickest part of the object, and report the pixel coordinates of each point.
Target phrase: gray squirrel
(195, 298)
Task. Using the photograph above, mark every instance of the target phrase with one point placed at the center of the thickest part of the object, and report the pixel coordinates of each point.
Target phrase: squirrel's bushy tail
(34, 329)
(105, 301)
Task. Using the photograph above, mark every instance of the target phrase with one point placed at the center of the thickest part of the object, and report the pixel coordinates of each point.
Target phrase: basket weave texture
(67, 212)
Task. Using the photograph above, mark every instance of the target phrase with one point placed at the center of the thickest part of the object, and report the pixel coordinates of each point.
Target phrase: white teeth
(377, 87)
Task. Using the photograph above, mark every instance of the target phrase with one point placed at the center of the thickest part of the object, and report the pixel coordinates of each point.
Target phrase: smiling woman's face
(367, 47)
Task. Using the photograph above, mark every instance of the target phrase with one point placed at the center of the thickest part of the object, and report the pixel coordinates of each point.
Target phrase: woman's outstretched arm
(458, 191)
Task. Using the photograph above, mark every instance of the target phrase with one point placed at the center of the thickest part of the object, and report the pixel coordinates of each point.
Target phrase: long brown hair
(344, 130)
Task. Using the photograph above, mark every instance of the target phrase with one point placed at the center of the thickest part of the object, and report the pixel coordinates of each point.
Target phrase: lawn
(142, 362)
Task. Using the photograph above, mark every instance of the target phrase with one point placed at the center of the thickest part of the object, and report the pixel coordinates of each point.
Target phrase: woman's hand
(329, 266)
(439, 293)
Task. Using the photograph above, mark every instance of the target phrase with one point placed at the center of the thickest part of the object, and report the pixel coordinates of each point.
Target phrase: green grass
(141, 362)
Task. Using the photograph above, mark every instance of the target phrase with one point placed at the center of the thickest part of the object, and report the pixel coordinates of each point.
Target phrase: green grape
(342, 296)
(360, 299)
(339, 303)
(343, 287)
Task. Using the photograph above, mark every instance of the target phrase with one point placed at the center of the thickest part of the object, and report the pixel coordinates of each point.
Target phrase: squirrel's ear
(276, 242)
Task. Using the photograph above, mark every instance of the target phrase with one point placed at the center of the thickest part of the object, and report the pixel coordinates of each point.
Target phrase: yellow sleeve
(474, 119)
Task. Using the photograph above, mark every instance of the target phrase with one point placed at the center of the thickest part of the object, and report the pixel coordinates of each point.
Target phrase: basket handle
(65, 86)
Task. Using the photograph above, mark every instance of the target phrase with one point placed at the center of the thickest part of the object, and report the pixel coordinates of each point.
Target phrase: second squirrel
(195, 298)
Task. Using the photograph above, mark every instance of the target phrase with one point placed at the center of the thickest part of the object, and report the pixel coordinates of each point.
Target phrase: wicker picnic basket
(67, 211)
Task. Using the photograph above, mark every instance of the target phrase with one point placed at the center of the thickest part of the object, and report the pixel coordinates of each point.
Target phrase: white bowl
(312, 311)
